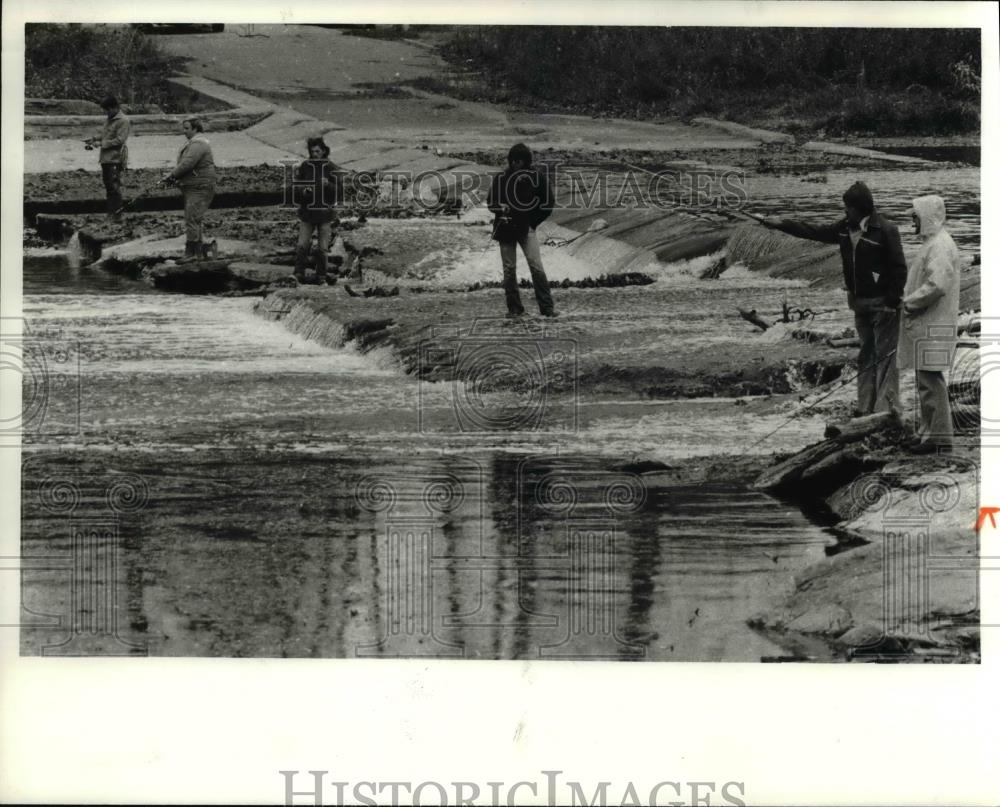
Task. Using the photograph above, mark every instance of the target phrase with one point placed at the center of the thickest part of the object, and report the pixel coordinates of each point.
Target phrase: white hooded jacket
(930, 299)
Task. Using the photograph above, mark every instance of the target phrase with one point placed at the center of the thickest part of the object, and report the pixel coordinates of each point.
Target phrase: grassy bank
(839, 81)
(93, 61)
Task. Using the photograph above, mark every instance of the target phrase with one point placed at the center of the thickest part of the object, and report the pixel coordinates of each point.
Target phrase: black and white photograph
(558, 342)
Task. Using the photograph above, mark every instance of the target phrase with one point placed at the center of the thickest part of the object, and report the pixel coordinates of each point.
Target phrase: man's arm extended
(825, 233)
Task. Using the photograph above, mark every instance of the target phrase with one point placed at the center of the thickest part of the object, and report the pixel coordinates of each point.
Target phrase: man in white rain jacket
(930, 322)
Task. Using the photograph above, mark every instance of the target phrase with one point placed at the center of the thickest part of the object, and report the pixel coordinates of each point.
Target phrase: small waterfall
(749, 244)
(74, 254)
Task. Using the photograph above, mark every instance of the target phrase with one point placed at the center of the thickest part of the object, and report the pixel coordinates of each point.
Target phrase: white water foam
(185, 334)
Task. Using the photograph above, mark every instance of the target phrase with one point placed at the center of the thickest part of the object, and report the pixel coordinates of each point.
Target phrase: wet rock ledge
(596, 345)
(902, 582)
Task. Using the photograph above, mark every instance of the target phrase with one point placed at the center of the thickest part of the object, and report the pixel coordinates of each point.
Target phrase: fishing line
(843, 382)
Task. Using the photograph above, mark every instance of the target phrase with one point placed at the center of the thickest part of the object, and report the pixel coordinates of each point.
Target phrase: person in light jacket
(930, 323)
(113, 153)
(195, 176)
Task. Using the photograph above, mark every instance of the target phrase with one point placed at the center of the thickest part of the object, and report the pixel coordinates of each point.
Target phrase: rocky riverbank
(903, 583)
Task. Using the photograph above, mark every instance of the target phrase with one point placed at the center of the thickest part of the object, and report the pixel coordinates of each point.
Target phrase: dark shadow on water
(52, 274)
(496, 556)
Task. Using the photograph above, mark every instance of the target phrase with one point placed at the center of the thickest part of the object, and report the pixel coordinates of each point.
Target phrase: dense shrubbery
(89, 62)
(873, 80)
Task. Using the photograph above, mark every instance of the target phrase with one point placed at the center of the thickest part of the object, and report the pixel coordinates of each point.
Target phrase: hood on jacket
(521, 152)
(860, 197)
(930, 210)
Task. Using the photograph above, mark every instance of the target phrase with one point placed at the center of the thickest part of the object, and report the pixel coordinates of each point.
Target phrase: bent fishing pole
(843, 382)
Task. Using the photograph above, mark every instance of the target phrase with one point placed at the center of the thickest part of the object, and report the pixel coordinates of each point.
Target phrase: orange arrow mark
(984, 513)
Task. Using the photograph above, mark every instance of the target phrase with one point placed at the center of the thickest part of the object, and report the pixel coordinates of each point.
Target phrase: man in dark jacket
(874, 276)
(520, 199)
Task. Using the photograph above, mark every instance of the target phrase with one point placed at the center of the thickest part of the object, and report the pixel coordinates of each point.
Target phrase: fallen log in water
(216, 276)
(790, 471)
(837, 469)
(856, 428)
(751, 317)
(844, 342)
(252, 275)
(195, 277)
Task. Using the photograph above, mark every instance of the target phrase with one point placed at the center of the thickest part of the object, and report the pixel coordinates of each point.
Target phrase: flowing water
(201, 482)
(245, 492)
(816, 196)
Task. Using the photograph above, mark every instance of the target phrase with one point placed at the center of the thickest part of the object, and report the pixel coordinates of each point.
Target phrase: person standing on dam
(520, 199)
(195, 176)
(317, 186)
(874, 276)
(113, 154)
(930, 323)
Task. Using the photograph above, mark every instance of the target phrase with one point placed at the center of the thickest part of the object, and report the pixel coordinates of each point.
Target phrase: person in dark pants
(113, 154)
(195, 176)
(520, 200)
(874, 276)
(317, 187)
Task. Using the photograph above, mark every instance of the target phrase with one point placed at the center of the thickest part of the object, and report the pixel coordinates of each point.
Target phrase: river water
(255, 494)
(811, 196)
(204, 483)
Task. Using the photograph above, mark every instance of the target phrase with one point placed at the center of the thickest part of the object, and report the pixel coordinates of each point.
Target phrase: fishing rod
(843, 383)
(715, 206)
(145, 192)
(689, 209)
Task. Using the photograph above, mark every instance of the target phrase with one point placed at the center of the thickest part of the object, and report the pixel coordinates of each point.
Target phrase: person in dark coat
(874, 276)
(520, 200)
(317, 187)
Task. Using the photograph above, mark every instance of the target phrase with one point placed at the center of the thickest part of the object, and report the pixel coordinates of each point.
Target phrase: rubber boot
(116, 207)
(301, 259)
(190, 252)
(321, 266)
